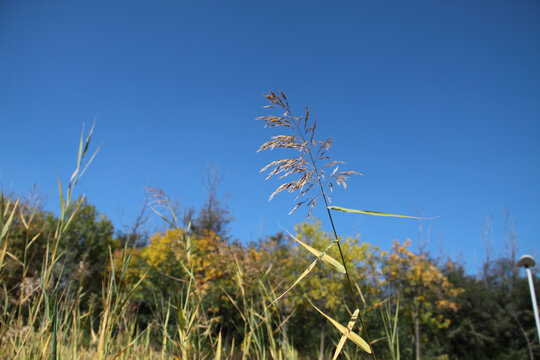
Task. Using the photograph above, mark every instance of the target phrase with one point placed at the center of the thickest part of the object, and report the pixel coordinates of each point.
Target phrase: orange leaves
(423, 286)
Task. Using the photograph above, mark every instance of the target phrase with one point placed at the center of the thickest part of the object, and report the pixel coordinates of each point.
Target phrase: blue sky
(437, 103)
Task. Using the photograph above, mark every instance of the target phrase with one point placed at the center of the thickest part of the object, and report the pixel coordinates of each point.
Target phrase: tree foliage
(423, 289)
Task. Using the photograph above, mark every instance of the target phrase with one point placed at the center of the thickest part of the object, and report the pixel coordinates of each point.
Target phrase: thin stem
(347, 275)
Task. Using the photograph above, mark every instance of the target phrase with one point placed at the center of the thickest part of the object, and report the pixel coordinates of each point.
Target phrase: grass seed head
(308, 166)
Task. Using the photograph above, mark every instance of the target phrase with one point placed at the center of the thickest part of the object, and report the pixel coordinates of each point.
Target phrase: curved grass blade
(350, 326)
(326, 258)
(305, 273)
(354, 337)
(7, 223)
(374, 213)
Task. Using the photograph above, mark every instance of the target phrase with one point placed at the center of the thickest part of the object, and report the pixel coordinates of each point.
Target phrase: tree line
(414, 304)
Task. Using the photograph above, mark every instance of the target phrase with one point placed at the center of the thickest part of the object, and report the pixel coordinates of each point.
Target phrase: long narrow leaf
(7, 224)
(61, 195)
(89, 161)
(163, 217)
(79, 154)
(218, 351)
(354, 337)
(350, 326)
(374, 213)
(326, 258)
(304, 274)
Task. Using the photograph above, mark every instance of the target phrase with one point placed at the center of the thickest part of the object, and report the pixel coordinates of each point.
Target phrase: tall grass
(46, 319)
(315, 176)
(310, 184)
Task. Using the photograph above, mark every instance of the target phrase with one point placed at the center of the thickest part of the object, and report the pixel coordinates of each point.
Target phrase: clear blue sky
(436, 102)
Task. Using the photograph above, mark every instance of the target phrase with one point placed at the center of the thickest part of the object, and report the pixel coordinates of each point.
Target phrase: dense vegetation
(189, 290)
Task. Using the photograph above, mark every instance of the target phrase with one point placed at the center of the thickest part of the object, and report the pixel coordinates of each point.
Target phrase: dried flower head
(157, 197)
(308, 167)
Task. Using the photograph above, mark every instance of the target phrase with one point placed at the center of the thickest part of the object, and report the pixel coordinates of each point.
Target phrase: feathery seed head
(308, 166)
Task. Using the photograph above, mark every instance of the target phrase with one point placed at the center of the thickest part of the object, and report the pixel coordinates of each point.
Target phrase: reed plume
(309, 166)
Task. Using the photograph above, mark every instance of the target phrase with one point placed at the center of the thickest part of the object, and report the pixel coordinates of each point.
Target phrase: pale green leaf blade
(374, 213)
(350, 326)
(326, 258)
(394, 329)
(90, 161)
(218, 351)
(181, 321)
(350, 334)
(163, 217)
(79, 154)
(7, 224)
(87, 142)
(61, 196)
(304, 274)
(6, 208)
